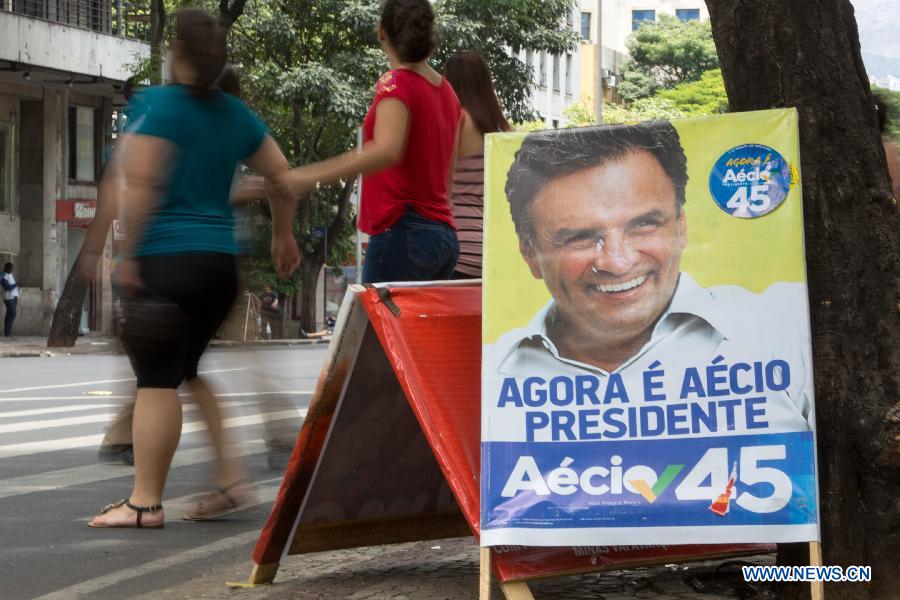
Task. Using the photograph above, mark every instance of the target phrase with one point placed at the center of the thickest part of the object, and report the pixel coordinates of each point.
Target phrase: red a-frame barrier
(367, 470)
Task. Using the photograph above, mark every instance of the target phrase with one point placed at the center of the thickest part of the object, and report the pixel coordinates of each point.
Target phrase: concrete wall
(41, 163)
(41, 43)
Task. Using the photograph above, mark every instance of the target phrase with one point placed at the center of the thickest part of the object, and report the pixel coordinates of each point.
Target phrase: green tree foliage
(665, 53)
(581, 114)
(309, 69)
(892, 99)
(705, 96)
(493, 27)
(690, 99)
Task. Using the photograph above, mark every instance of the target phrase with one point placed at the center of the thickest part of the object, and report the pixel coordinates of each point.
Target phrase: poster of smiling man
(647, 373)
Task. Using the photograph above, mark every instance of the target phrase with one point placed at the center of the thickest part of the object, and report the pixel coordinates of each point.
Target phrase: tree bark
(778, 53)
(67, 315)
(157, 34)
(309, 279)
(312, 261)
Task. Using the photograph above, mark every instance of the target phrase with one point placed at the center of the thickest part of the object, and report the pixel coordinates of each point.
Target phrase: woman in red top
(409, 142)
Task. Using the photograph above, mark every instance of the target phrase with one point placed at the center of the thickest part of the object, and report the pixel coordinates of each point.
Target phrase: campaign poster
(646, 371)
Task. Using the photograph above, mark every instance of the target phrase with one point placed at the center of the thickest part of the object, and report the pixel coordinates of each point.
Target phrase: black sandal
(139, 511)
(233, 504)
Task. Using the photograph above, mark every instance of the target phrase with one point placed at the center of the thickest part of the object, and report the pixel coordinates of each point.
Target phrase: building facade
(602, 56)
(63, 64)
(556, 80)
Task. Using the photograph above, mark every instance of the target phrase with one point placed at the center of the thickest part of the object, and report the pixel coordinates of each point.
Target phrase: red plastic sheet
(432, 338)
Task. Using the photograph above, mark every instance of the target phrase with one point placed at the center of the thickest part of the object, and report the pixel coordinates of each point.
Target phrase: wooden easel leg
(484, 580)
(261, 575)
(817, 588)
(516, 590)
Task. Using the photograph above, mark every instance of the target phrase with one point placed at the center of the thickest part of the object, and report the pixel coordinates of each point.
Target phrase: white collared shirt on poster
(700, 326)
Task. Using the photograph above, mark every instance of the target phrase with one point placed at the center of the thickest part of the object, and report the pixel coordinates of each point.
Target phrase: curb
(114, 349)
(291, 342)
(27, 354)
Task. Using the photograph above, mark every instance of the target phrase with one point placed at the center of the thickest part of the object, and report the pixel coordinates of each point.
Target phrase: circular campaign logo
(750, 181)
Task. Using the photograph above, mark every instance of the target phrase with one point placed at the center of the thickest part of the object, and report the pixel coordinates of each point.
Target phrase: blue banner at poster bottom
(757, 483)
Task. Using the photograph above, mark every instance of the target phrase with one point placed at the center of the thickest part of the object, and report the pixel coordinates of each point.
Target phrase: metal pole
(358, 203)
(325, 283)
(247, 316)
(598, 67)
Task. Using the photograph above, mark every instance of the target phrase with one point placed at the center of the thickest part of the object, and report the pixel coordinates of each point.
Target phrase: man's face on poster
(607, 242)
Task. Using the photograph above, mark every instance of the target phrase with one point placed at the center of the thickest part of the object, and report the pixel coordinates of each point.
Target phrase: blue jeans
(10, 316)
(412, 249)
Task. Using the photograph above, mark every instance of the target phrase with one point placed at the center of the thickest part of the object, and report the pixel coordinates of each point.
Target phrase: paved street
(53, 412)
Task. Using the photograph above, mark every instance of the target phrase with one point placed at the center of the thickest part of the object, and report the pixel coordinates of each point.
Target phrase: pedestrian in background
(481, 114)
(409, 142)
(270, 311)
(10, 290)
(178, 272)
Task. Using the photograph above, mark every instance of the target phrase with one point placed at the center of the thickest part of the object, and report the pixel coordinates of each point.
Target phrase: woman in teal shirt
(178, 273)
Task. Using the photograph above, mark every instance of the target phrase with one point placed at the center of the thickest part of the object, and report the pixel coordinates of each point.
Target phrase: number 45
(759, 198)
(714, 466)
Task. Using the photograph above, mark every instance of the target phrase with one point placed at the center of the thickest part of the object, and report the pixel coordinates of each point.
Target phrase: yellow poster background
(722, 249)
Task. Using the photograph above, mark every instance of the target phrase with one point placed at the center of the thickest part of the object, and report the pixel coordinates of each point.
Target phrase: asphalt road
(53, 412)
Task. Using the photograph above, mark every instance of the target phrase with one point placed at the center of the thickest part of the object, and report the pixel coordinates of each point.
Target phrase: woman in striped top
(481, 114)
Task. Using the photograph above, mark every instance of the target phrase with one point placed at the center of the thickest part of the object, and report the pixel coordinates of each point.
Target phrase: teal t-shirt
(211, 135)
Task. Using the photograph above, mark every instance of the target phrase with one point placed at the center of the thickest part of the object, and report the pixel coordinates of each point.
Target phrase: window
(586, 26)
(555, 123)
(7, 167)
(568, 73)
(688, 14)
(82, 143)
(639, 17)
(542, 70)
(556, 72)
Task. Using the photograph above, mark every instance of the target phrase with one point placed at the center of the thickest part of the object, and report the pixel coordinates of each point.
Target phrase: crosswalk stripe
(83, 441)
(33, 412)
(75, 476)
(86, 589)
(98, 381)
(45, 398)
(180, 394)
(83, 420)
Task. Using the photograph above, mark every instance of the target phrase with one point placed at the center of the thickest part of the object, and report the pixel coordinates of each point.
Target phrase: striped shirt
(468, 212)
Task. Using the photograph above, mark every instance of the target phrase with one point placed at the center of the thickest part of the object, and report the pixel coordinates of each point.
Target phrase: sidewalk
(448, 570)
(33, 346)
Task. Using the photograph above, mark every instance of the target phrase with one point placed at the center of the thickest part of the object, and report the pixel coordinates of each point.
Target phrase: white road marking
(27, 448)
(86, 588)
(83, 420)
(75, 476)
(45, 398)
(33, 412)
(99, 381)
(181, 394)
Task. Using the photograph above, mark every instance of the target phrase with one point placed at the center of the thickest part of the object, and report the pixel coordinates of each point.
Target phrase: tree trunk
(157, 34)
(309, 279)
(67, 315)
(777, 53)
